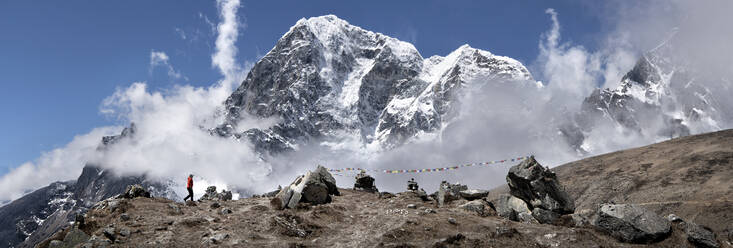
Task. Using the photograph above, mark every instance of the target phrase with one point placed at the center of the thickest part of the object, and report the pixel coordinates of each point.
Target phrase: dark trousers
(190, 194)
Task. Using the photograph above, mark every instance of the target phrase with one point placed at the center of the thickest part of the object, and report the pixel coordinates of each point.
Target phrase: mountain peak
(326, 75)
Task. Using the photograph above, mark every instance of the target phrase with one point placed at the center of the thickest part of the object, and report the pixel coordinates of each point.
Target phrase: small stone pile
(365, 183)
(212, 195)
(449, 192)
(314, 187)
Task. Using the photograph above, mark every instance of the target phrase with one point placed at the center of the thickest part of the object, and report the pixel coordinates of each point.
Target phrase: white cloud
(181, 33)
(158, 58)
(568, 71)
(60, 164)
(224, 59)
(172, 138)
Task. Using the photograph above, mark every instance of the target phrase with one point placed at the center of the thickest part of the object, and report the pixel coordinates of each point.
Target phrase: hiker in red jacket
(189, 187)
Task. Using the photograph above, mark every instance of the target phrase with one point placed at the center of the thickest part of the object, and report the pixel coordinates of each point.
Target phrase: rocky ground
(354, 219)
(633, 192)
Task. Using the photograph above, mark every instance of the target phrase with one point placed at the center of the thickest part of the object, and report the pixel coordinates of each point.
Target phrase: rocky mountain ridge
(663, 95)
(35, 216)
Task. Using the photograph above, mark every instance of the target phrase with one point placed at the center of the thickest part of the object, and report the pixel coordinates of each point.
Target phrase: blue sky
(60, 59)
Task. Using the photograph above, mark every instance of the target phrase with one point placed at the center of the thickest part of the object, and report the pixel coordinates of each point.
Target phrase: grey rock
(75, 237)
(290, 228)
(226, 195)
(216, 238)
(510, 207)
(211, 195)
(124, 217)
(454, 240)
(545, 216)
(526, 218)
(364, 182)
(315, 191)
(474, 194)
(226, 211)
(273, 193)
(109, 232)
(476, 206)
(632, 224)
(112, 205)
(579, 220)
(326, 178)
(214, 205)
(423, 195)
(97, 241)
(539, 187)
(174, 209)
(411, 206)
(452, 221)
(55, 244)
(700, 236)
(504, 231)
(124, 232)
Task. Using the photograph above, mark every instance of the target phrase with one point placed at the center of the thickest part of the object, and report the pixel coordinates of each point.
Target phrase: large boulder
(510, 207)
(449, 192)
(365, 182)
(313, 188)
(539, 187)
(631, 224)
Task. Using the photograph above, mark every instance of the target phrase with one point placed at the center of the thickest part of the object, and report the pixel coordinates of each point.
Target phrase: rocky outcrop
(632, 224)
(212, 195)
(313, 187)
(538, 187)
(135, 190)
(365, 182)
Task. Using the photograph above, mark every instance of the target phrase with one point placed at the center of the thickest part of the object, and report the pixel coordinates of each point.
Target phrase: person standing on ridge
(189, 187)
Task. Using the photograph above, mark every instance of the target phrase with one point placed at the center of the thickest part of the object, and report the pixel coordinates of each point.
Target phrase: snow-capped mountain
(327, 77)
(663, 95)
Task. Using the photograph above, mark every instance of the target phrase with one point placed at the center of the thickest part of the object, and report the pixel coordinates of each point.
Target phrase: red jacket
(190, 183)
